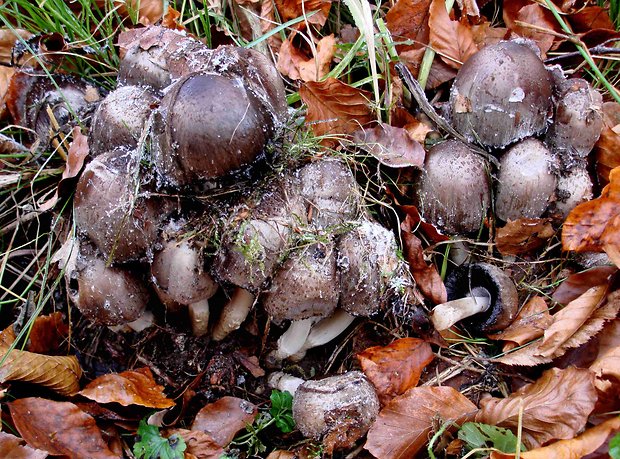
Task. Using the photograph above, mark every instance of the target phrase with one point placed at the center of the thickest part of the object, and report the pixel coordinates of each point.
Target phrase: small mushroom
(454, 192)
(481, 295)
(502, 94)
(527, 181)
(574, 188)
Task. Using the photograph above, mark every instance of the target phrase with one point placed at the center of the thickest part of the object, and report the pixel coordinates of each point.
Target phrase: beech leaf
(405, 423)
(133, 387)
(395, 368)
(199, 443)
(60, 428)
(13, 447)
(531, 322)
(607, 149)
(554, 407)
(607, 363)
(392, 146)
(453, 40)
(296, 65)
(519, 237)
(408, 20)
(291, 9)
(224, 418)
(577, 284)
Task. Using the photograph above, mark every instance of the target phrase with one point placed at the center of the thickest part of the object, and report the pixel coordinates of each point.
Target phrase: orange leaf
(577, 284)
(199, 443)
(47, 334)
(13, 447)
(519, 237)
(607, 363)
(453, 40)
(60, 428)
(555, 407)
(404, 425)
(518, 14)
(392, 146)
(607, 148)
(531, 322)
(291, 9)
(408, 20)
(128, 388)
(296, 65)
(395, 368)
(224, 418)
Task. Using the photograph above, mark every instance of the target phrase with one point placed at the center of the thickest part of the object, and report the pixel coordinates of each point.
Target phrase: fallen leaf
(148, 11)
(133, 387)
(530, 323)
(292, 9)
(469, 7)
(519, 15)
(574, 448)
(607, 363)
(453, 40)
(485, 34)
(296, 65)
(47, 334)
(426, 276)
(522, 236)
(595, 225)
(172, 19)
(6, 73)
(224, 418)
(590, 17)
(281, 454)
(335, 108)
(404, 425)
(58, 373)
(60, 428)
(8, 38)
(577, 284)
(199, 443)
(12, 447)
(417, 222)
(408, 20)
(395, 368)
(554, 407)
(392, 146)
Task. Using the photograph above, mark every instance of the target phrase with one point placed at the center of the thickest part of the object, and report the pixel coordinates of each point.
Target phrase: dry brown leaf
(426, 276)
(296, 65)
(574, 448)
(404, 425)
(408, 20)
(595, 225)
(395, 368)
(60, 428)
(8, 38)
(570, 319)
(292, 9)
(577, 284)
(519, 13)
(149, 11)
(607, 148)
(530, 323)
(6, 73)
(555, 407)
(607, 363)
(335, 108)
(58, 373)
(520, 237)
(12, 447)
(590, 17)
(391, 145)
(469, 7)
(485, 34)
(281, 454)
(417, 222)
(47, 334)
(199, 443)
(453, 40)
(133, 387)
(224, 418)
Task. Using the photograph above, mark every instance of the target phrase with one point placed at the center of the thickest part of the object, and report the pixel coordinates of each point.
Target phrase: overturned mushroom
(481, 295)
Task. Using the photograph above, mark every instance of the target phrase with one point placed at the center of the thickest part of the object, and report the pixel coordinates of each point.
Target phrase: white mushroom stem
(293, 339)
(447, 314)
(324, 331)
(233, 313)
(141, 323)
(199, 317)
(284, 382)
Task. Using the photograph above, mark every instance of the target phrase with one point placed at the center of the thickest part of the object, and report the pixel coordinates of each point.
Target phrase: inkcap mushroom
(480, 295)
(574, 187)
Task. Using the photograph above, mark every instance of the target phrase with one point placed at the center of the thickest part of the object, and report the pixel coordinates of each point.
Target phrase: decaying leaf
(48, 334)
(6, 73)
(404, 425)
(555, 407)
(335, 108)
(13, 447)
(224, 418)
(426, 276)
(147, 11)
(530, 20)
(595, 225)
(607, 363)
(60, 428)
(291, 9)
(520, 237)
(408, 20)
(295, 64)
(133, 387)
(607, 149)
(199, 443)
(590, 17)
(392, 146)
(395, 368)
(577, 284)
(453, 40)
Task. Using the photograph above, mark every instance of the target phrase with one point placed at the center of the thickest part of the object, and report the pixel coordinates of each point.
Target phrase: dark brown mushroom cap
(108, 209)
(208, 126)
(108, 295)
(306, 285)
(367, 262)
(526, 181)
(504, 298)
(348, 399)
(501, 94)
(453, 192)
(120, 119)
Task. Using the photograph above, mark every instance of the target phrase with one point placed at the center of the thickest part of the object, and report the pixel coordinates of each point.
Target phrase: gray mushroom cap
(453, 192)
(574, 188)
(501, 94)
(527, 181)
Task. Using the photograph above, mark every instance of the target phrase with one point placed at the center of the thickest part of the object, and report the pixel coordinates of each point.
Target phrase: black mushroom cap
(454, 192)
(503, 293)
(501, 94)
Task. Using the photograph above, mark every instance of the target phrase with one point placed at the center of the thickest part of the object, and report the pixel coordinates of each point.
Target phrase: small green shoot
(614, 447)
(483, 436)
(153, 446)
(282, 410)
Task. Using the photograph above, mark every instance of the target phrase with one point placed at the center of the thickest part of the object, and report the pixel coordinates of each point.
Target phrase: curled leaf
(392, 146)
(453, 40)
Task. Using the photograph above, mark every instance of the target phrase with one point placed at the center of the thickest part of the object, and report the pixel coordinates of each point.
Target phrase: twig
(598, 49)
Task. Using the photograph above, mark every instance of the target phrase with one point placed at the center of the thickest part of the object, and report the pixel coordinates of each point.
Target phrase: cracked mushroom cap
(453, 192)
(306, 285)
(500, 288)
(501, 94)
(367, 262)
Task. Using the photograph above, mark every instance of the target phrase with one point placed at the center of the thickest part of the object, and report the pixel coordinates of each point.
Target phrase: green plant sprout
(152, 445)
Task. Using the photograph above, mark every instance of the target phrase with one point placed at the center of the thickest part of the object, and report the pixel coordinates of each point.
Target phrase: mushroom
(481, 295)
(573, 188)
(180, 279)
(526, 179)
(502, 94)
(120, 119)
(109, 209)
(454, 192)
